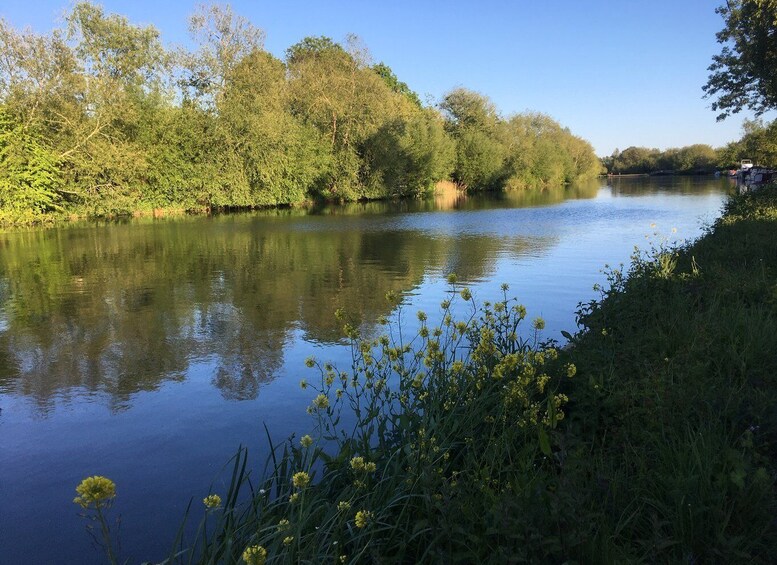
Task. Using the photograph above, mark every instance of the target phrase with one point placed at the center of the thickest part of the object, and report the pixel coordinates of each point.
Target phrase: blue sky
(617, 73)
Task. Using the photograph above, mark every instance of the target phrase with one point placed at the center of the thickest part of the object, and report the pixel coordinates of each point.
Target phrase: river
(148, 350)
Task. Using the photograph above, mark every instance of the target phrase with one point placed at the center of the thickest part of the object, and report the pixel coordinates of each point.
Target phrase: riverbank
(652, 439)
(10, 220)
(671, 437)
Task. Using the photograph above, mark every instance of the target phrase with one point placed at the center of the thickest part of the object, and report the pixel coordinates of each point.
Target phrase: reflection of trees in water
(685, 184)
(125, 308)
(244, 360)
(450, 198)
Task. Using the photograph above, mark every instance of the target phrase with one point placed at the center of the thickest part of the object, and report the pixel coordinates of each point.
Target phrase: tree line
(100, 118)
(758, 143)
(692, 159)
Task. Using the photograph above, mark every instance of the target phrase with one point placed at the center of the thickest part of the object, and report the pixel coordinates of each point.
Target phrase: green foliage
(742, 74)
(465, 109)
(406, 157)
(675, 389)
(758, 143)
(131, 126)
(282, 157)
(396, 85)
(474, 124)
(692, 159)
(112, 48)
(480, 160)
(527, 151)
(312, 47)
(29, 174)
(545, 154)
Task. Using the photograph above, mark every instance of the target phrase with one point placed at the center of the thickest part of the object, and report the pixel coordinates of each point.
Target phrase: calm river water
(148, 351)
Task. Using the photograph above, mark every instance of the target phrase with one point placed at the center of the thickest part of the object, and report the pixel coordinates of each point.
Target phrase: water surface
(149, 350)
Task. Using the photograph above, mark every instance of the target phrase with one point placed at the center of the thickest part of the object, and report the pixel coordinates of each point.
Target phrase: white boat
(755, 177)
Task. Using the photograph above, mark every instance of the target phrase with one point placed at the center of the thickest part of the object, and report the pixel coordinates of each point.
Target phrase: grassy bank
(673, 424)
(652, 439)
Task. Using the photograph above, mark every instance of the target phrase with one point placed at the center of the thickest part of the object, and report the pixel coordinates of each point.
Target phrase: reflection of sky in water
(149, 352)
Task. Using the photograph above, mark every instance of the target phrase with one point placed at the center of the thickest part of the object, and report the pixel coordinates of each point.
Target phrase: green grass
(651, 439)
(676, 398)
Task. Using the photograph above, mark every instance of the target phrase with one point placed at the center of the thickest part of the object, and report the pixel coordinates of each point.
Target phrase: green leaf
(544, 442)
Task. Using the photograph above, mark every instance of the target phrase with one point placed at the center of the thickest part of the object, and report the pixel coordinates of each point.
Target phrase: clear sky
(617, 72)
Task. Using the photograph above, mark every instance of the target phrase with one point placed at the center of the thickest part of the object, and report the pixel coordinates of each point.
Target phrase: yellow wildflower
(255, 555)
(287, 540)
(363, 518)
(283, 525)
(303, 384)
(343, 505)
(95, 490)
(294, 498)
(343, 558)
(357, 463)
(306, 441)
(321, 402)
(212, 501)
(301, 479)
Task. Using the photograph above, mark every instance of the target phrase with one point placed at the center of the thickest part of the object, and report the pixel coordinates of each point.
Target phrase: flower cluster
(95, 491)
(255, 555)
(359, 465)
(321, 402)
(363, 518)
(212, 501)
(300, 479)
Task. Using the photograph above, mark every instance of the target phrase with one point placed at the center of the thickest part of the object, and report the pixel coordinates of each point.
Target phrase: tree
(743, 74)
(396, 85)
(636, 160)
(477, 129)
(333, 89)
(282, 156)
(224, 39)
(405, 157)
(29, 175)
(467, 109)
(759, 143)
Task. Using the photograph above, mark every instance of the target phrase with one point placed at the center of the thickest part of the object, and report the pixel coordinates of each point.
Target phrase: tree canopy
(743, 73)
(527, 150)
(101, 118)
(691, 159)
